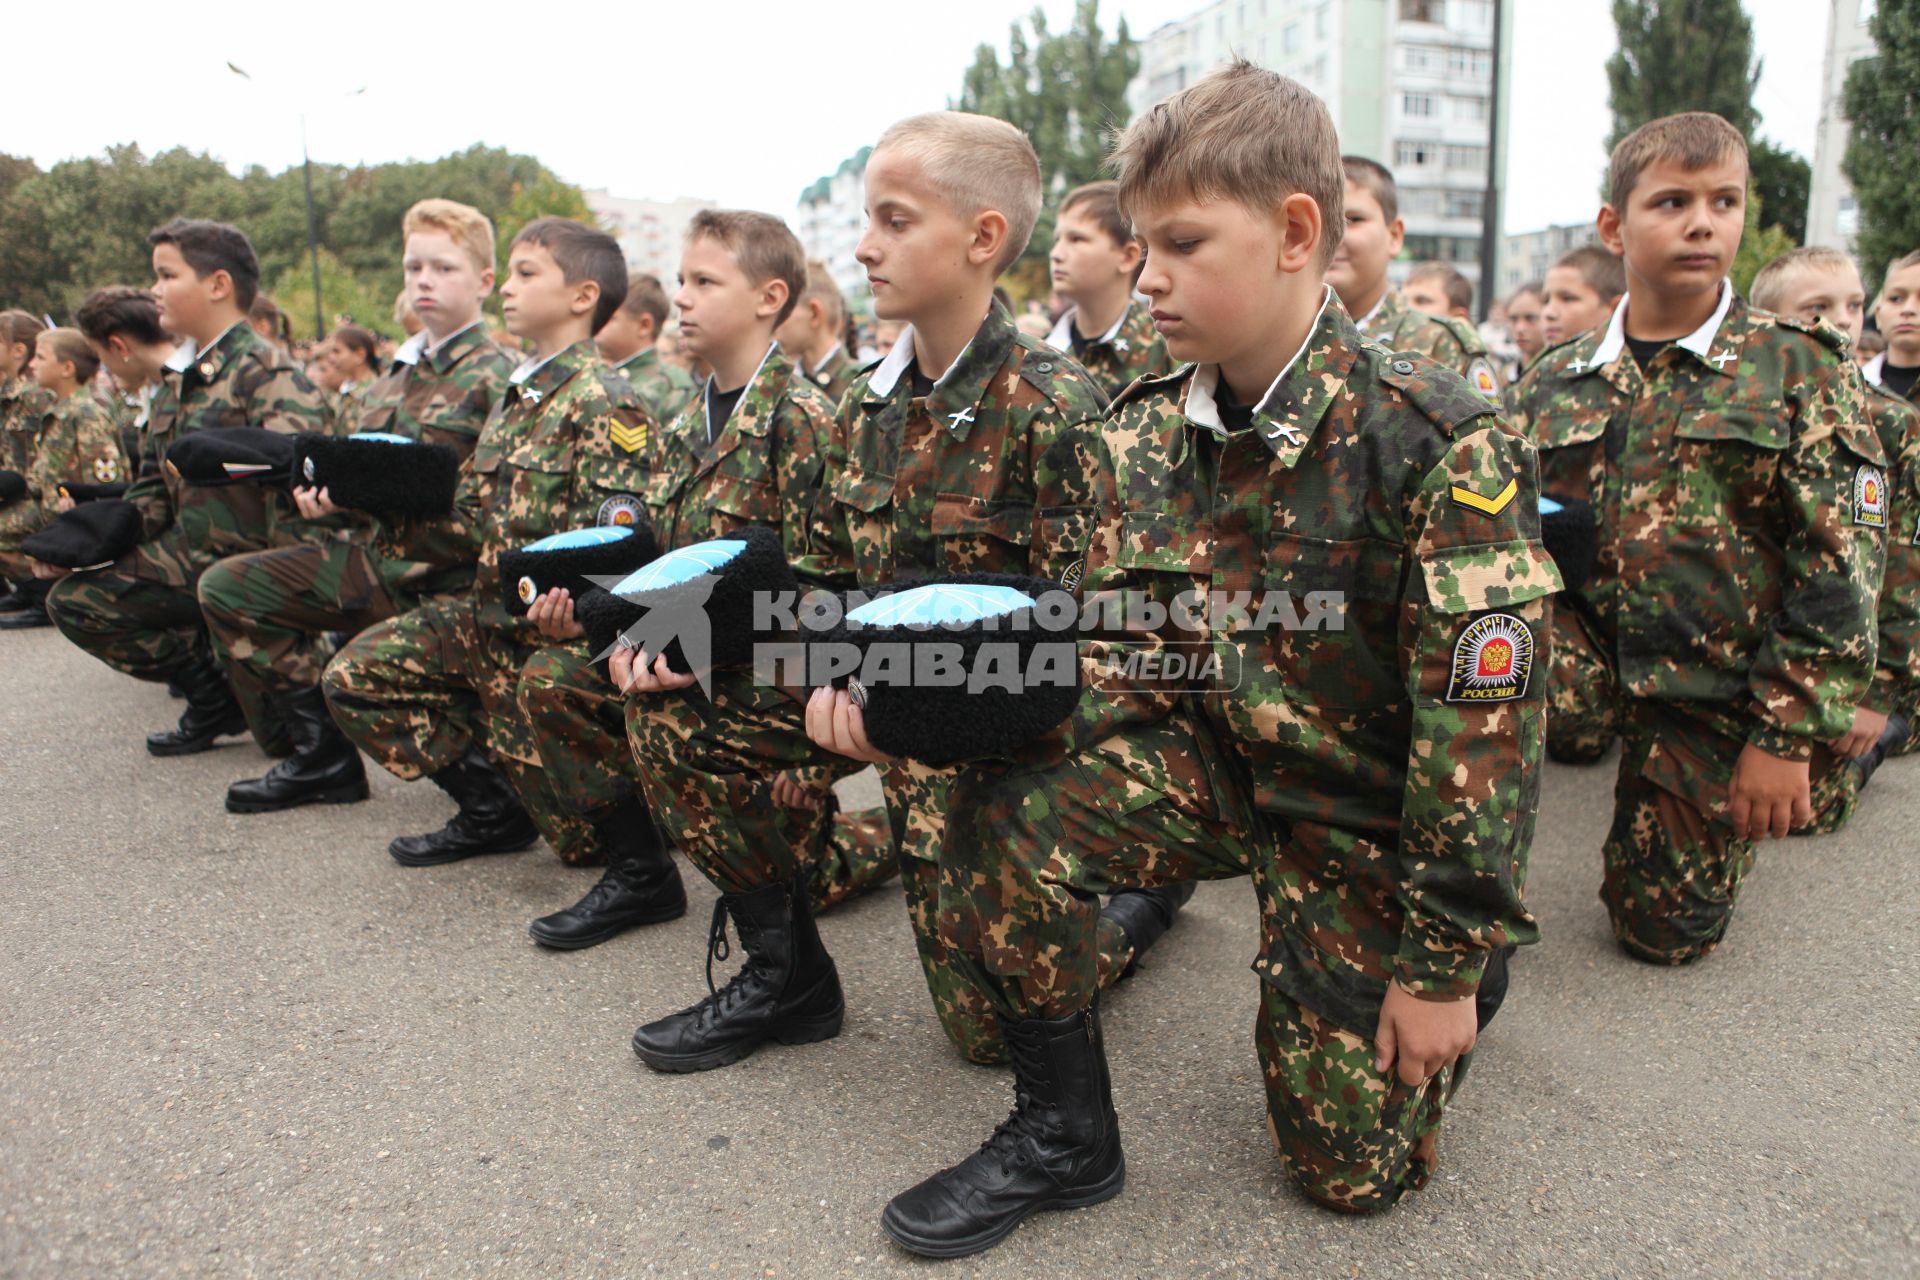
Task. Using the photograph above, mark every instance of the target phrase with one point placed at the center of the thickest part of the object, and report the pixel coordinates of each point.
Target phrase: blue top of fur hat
(381, 437)
(594, 537)
(677, 567)
(939, 604)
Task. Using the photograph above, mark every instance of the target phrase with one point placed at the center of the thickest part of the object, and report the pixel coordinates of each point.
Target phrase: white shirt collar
(1366, 322)
(1875, 370)
(185, 354)
(530, 366)
(1202, 408)
(886, 375)
(1700, 341)
(827, 359)
(422, 343)
(1061, 339)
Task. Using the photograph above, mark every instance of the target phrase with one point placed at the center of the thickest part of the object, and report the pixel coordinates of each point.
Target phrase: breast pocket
(1333, 638)
(863, 503)
(1726, 462)
(978, 535)
(612, 492)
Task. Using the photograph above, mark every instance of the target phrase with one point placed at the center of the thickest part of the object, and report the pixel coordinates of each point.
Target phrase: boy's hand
(788, 793)
(628, 667)
(1857, 741)
(552, 615)
(64, 502)
(314, 503)
(1768, 796)
(1418, 1037)
(41, 569)
(835, 723)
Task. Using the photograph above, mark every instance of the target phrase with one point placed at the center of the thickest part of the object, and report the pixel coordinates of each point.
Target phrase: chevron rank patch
(1870, 497)
(629, 436)
(1491, 660)
(1485, 505)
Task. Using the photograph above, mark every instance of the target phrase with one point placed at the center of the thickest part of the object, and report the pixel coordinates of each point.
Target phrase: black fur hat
(716, 582)
(572, 560)
(1012, 669)
(1566, 527)
(91, 536)
(232, 455)
(13, 487)
(378, 472)
(93, 492)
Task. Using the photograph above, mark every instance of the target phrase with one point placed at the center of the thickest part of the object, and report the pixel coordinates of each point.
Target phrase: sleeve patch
(1870, 497)
(1485, 505)
(1492, 660)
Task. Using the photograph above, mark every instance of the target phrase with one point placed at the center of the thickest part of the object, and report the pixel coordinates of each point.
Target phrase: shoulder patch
(1437, 391)
(1463, 333)
(1492, 660)
(1148, 384)
(1060, 378)
(1826, 333)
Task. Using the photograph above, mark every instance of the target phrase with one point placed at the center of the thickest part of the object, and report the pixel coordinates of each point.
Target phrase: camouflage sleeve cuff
(1440, 976)
(1776, 741)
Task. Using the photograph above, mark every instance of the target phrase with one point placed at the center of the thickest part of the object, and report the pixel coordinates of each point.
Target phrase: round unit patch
(622, 511)
(1491, 660)
(528, 591)
(1870, 497)
(1481, 375)
(106, 470)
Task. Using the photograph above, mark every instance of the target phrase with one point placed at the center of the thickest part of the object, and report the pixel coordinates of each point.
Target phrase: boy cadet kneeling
(1377, 780)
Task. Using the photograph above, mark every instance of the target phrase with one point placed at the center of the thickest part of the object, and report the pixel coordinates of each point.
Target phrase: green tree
(1067, 92)
(1883, 105)
(1783, 183)
(1758, 245)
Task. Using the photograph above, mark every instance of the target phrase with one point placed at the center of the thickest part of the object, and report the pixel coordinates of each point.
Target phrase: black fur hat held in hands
(13, 487)
(232, 455)
(91, 536)
(960, 668)
(379, 472)
(93, 492)
(696, 604)
(572, 560)
(1566, 527)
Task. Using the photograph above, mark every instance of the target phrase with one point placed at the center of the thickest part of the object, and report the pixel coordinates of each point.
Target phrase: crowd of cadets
(1228, 395)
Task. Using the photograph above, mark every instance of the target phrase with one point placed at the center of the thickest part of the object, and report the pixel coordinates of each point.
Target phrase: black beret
(232, 455)
(716, 580)
(91, 536)
(93, 492)
(957, 668)
(572, 560)
(13, 487)
(379, 472)
(1566, 527)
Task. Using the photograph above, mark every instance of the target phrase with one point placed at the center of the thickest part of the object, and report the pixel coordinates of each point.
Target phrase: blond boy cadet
(1524, 324)
(434, 691)
(1581, 291)
(814, 335)
(122, 324)
(141, 616)
(747, 450)
(1739, 494)
(1439, 290)
(629, 344)
(1378, 781)
(1896, 313)
(76, 444)
(964, 450)
(1094, 262)
(1814, 284)
(1372, 239)
(269, 614)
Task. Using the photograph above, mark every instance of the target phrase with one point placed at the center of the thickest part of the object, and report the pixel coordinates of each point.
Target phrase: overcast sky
(742, 103)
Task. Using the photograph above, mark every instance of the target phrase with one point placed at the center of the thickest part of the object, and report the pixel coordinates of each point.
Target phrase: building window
(1464, 204)
(1470, 15)
(1867, 9)
(1422, 10)
(1418, 57)
(1470, 109)
(1419, 106)
(1466, 158)
(1415, 155)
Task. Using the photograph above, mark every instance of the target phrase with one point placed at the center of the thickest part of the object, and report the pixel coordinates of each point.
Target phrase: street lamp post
(1490, 203)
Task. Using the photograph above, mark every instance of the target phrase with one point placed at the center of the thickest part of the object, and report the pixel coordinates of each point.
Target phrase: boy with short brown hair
(814, 334)
(629, 343)
(1581, 290)
(1094, 262)
(1739, 497)
(1439, 289)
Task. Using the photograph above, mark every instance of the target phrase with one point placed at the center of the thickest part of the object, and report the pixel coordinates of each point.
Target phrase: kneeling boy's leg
(1583, 702)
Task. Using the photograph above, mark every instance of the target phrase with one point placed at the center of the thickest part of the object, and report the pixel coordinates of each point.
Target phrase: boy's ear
(1301, 232)
(1396, 238)
(773, 296)
(486, 282)
(989, 236)
(1607, 223)
(1130, 257)
(118, 346)
(219, 284)
(586, 296)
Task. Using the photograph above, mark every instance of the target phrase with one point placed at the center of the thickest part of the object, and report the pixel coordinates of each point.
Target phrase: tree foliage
(1067, 92)
(1883, 105)
(83, 223)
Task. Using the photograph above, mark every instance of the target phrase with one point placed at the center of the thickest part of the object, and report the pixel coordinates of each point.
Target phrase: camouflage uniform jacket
(1740, 494)
(440, 396)
(1131, 349)
(1896, 678)
(763, 468)
(990, 472)
(241, 381)
(835, 375)
(663, 388)
(76, 444)
(566, 447)
(22, 402)
(1372, 589)
(1454, 343)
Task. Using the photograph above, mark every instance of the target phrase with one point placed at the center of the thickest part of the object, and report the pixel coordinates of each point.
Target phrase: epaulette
(1437, 391)
(1146, 384)
(1463, 333)
(1046, 370)
(1826, 333)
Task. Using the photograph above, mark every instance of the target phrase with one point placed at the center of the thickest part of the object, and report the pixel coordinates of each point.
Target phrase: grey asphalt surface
(256, 1046)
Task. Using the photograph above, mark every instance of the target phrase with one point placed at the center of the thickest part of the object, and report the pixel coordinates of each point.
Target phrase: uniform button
(1403, 366)
(1044, 366)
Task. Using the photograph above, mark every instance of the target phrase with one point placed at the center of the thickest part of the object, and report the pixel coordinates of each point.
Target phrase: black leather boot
(1890, 737)
(1493, 986)
(1146, 915)
(640, 886)
(788, 990)
(490, 820)
(1060, 1149)
(324, 768)
(212, 711)
(26, 606)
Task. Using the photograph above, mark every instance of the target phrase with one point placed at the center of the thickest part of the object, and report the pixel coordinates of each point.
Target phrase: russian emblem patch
(1481, 375)
(1492, 660)
(1870, 497)
(622, 511)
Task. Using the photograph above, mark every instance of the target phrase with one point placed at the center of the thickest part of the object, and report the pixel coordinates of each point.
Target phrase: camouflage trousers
(1019, 905)
(709, 765)
(417, 691)
(1673, 864)
(268, 613)
(1583, 698)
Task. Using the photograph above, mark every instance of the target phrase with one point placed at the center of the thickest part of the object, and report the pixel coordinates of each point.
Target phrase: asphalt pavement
(236, 1046)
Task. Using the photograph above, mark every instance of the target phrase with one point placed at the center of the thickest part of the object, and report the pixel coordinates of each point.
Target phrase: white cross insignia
(530, 394)
(961, 418)
(1720, 361)
(1290, 434)
(1120, 345)
(1577, 366)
